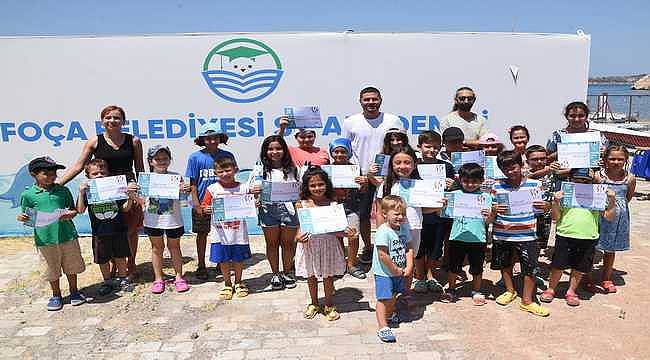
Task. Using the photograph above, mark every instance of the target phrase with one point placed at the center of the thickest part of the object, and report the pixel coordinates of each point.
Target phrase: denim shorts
(386, 287)
(277, 214)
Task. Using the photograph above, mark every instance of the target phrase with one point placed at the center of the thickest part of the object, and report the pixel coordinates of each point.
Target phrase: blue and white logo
(242, 70)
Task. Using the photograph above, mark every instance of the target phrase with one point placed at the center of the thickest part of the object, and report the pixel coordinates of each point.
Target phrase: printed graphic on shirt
(105, 211)
(398, 251)
(160, 206)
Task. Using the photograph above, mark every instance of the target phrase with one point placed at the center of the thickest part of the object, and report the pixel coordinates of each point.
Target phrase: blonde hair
(393, 202)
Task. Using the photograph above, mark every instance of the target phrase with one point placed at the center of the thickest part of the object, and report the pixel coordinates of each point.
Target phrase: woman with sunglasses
(461, 116)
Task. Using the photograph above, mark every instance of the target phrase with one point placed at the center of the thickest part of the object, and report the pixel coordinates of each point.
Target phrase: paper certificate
(578, 155)
(342, 176)
(106, 189)
(233, 207)
(492, 170)
(458, 159)
(39, 219)
(303, 117)
(586, 196)
(520, 201)
(382, 162)
(160, 186)
(322, 219)
(279, 191)
(432, 171)
(422, 193)
(466, 205)
(588, 136)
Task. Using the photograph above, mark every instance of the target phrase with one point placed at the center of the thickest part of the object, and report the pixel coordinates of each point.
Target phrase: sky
(618, 44)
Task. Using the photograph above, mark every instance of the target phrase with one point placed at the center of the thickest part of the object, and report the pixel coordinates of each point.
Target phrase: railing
(620, 108)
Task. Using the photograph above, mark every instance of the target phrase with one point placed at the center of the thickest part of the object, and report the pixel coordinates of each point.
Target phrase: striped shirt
(520, 227)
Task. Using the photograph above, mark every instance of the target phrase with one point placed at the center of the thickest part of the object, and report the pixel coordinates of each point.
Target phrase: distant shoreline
(616, 79)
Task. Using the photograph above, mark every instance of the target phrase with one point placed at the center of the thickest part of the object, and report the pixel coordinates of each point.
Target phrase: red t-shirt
(314, 155)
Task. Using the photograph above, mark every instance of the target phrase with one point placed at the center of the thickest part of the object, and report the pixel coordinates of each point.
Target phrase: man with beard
(472, 125)
(366, 132)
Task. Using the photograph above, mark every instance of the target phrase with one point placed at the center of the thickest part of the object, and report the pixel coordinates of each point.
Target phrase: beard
(464, 106)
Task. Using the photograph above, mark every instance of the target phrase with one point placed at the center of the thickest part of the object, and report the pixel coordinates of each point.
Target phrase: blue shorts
(275, 214)
(387, 287)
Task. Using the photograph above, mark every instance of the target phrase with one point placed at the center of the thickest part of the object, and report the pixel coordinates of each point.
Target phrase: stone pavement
(269, 325)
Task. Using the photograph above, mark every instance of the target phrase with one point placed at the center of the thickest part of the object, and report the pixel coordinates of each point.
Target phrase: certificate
(106, 189)
(160, 186)
(586, 196)
(303, 117)
(233, 207)
(520, 201)
(458, 159)
(39, 219)
(432, 171)
(279, 191)
(587, 136)
(422, 193)
(465, 205)
(578, 155)
(492, 170)
(322, 219)
(342, 176)
(255, 176)
(382, 162)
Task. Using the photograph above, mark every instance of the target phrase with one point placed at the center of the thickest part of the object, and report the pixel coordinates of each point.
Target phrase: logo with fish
(242, 70)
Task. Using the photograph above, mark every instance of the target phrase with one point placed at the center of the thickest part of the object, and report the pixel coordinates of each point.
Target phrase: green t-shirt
(41, 200)
(468, 229)
(579, 223)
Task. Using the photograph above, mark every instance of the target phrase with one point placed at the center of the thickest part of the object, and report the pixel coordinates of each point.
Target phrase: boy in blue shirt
(392, 262)
(467, 236)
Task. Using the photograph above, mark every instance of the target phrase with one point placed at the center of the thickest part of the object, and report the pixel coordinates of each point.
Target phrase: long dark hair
(456, 94)
(387, 149)
(286, 163)
(311, 172)
(392, 178)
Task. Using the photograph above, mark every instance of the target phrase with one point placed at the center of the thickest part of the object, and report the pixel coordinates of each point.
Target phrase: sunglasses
(466, 98)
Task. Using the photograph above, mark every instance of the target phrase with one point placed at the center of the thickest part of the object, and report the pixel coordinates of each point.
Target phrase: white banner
(53, 88)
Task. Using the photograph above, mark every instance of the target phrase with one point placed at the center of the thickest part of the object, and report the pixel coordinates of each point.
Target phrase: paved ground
(140, 325)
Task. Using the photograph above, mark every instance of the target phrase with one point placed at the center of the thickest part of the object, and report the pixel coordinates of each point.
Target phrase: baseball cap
(453, 134)
(489, 139)
(154, 150)
(582, 173)
(341, 142)
(211, 128)
(44, 163)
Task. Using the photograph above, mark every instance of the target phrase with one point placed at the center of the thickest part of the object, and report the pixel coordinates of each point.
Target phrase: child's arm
(195, 197)
(631, 187)
(284, 121)
(372, 171)
(384, 258)
(610, 212)
(81, 204)
(557, 198)
(131, 191)
(408, 271)
(488, 215)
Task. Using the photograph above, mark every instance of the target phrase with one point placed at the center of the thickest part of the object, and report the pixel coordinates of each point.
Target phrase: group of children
(411, 243)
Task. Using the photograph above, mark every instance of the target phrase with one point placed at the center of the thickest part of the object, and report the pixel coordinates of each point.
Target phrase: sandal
(478, 299)
(311, 311)
(201, 273)
(572, 299)
(590, 287)
(241, 290)
(331, 314)
(158, 287)
(226, 293)
(181, 285)
(547, 296)
(609, 286)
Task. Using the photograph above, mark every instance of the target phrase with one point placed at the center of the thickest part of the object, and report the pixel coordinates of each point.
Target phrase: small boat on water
(623, 136)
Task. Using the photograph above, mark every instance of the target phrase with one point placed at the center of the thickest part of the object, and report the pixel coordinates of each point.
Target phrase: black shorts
(171, 233)
(526, 251)
(432, 240)
(543, 231)
(475, 253)
(107, 247)
(570, 253)
(367, 199)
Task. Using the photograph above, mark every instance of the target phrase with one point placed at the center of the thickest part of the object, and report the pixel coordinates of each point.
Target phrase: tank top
(120, 161)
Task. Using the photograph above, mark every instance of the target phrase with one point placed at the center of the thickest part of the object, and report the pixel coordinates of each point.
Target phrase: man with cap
(366, 131)
(471, 124)
(200, 170)
(55, 235)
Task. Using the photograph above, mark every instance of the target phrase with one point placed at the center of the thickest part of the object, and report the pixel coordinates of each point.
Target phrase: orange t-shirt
(314, 155)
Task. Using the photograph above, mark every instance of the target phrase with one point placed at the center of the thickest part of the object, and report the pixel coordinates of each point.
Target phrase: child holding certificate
(110, 241)
(515, 235)
(230, 246)
(341, 152)
(576, 239)
(548, 175)
(162, 217)
(468, 237)
(435, 229)
(392, 263)
(394, 140)
(278, 219)
(519, 137)
(319, 255)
